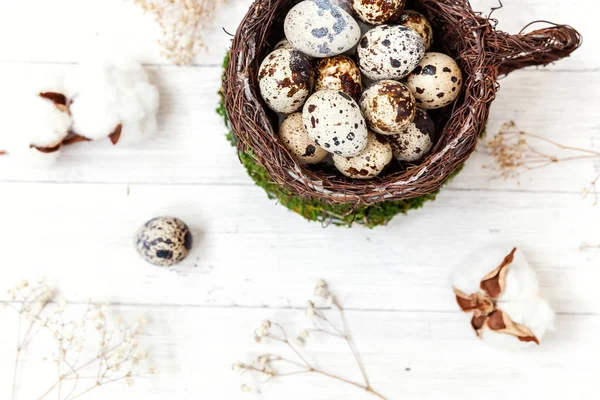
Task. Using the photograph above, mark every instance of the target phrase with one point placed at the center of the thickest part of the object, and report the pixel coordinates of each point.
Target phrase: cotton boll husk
(469, 273)
(533, 312)
(109, 93)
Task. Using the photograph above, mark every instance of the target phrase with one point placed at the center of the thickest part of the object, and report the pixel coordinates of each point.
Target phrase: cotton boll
(494, 282)
(109, 94)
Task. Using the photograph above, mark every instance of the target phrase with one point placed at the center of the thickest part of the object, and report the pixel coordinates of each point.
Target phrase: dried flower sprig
(182, 24)
(272, 366)
(92, 351)
(514, 154)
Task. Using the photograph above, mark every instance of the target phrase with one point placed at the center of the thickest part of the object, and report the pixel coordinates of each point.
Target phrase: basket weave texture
(483, 53)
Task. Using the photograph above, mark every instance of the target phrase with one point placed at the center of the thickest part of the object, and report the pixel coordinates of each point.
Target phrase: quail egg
(164, 241)
(388, 106)
(295, 138)
(418, 23)
(416, 140)
(338, 73)
(368, 164)
(436, 82)
(285, 80)
(333, 120)
(284, 44)
(389, 52)
(320, 28)
(377, 12)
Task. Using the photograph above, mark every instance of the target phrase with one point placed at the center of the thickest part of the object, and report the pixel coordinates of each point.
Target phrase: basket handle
(539, 47)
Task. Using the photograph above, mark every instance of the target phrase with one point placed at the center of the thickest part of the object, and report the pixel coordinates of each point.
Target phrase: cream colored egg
(295, 138)
(283, 44)
(388, 106)
(416, 140)
(368, 164)
(418, 23)
(285, 79)
(436, 82)
(377, 12)
(389, 52)
(333, 120)
(338, 73)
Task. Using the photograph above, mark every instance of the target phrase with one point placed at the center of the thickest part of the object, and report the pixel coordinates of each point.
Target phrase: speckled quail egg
(285, 79)
(389, 52)
(368, 164)
(338, 73)
(436, 82)
(164, 241)
(418, 23)
(295, 138)
(416, 140)
(388, 106)
(319, 28)
(377, 12)
(333, 120)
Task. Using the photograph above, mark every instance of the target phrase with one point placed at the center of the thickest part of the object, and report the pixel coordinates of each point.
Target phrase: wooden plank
(69, 26)
(407, 355)
(191, 148)
(252, 252)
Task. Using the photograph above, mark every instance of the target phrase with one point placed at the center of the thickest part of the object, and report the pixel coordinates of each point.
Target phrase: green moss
(317, 210)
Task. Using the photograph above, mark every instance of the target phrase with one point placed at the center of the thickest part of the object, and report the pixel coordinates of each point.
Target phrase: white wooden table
(254, 260)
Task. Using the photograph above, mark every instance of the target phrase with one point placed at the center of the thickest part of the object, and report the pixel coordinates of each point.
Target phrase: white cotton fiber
(109, 93)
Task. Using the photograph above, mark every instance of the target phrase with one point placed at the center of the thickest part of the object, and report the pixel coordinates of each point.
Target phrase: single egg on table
(416, 140)
(436, 82)
(368, 164)
(333, 120)
(295, 138)
(338, 73)
(418, 23)
(164, 241)
(389, 52)
(320, 28)
(285, 79)
(388, 106)
(377, 12)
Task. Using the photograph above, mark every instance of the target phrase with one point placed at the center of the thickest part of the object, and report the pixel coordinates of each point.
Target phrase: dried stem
(270, 364)
(117, 349)
(514, 154)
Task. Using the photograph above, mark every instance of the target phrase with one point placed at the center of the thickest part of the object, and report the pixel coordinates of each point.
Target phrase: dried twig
(117, 356)
(514, 154)
(274, 366)
(182, 24)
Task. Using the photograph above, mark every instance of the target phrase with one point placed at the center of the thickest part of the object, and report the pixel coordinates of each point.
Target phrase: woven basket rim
(482, 52)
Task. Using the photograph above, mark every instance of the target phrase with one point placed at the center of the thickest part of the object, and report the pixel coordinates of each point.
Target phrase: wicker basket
(483, 54)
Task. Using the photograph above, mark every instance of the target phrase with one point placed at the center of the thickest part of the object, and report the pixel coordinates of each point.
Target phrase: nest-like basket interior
(482, 52)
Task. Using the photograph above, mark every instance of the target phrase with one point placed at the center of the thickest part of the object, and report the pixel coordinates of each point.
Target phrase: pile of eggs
(317, 77)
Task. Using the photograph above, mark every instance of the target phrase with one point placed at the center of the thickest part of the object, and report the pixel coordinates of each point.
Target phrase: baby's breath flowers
(90, 351)
(514, 154)
(269, 366)
(182, 24)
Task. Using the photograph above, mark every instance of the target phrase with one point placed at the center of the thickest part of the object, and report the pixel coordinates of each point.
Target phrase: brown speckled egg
(368, 164)
(418, 23)
(164, 241)
(296, 140)
(286, 80)
(389, 52)
(333, 120)
(436, 82)
(338, 73)
(416, 140)
(388, 106)
(377, 12)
